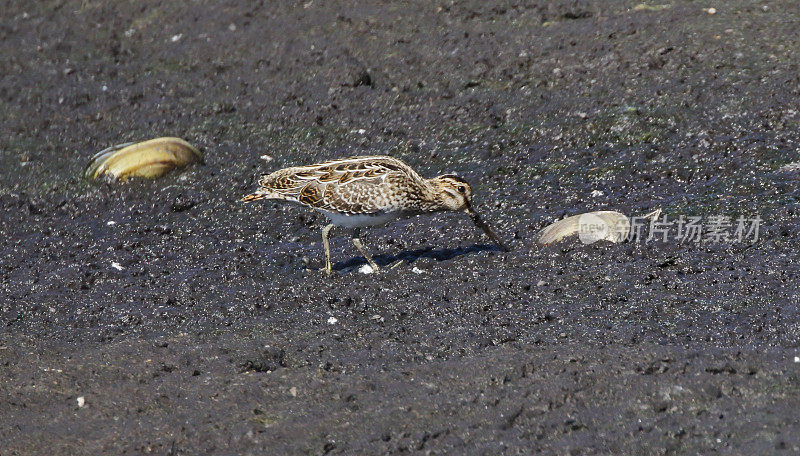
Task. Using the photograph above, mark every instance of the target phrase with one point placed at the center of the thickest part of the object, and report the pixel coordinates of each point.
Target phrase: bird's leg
(325, 231)
(360, 247)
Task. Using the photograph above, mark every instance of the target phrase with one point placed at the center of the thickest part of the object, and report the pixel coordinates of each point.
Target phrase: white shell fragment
(149, 159)
(789, 167)
(590, 227)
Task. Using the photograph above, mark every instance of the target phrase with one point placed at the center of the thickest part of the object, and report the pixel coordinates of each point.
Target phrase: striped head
(455, 192)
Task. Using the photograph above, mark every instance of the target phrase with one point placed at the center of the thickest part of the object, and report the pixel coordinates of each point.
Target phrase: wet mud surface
(165, 317)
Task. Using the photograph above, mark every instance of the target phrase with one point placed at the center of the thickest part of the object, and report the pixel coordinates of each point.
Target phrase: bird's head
(456, 195)
(455, 192)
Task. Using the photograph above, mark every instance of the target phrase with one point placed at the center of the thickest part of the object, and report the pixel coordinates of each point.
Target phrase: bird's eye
(462, 189)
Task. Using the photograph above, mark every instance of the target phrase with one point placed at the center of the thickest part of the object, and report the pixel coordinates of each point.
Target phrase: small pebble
(797, 359)
(81, 401)
(366, 269)
(541, 283)
(332, 321)
(176, 38)
(117, 266)
(293, 391)
(417, 270)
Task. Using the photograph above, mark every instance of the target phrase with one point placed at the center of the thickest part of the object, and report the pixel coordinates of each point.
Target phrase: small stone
(117, 266)
(417, 270)
(541, 283)
(366, 269)
(81, 401)
(362, 78)
(710, 10)
(176, 38)
(597, 193)
(293, 391)
(797, 359)
(266, 158)
(332, 320)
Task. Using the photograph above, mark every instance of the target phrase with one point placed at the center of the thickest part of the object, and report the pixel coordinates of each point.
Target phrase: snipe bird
(368, 191)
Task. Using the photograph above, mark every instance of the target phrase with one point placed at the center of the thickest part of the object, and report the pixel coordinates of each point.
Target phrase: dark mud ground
(214, 338)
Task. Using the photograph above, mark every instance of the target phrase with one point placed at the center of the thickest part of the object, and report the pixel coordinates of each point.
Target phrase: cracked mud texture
(212, 334)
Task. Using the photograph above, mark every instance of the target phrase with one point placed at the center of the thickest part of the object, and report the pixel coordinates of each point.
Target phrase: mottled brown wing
(354, 185)
(357, 168)
(361, 196)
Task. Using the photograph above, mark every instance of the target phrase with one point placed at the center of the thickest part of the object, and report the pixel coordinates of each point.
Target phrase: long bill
(486, 229)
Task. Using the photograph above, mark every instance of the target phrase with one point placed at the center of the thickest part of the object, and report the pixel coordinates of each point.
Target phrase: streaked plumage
(367, 191)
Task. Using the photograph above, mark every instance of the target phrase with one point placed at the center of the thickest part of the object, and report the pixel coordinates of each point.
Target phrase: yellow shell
(149, 159)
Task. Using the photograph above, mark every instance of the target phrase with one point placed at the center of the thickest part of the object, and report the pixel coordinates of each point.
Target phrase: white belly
(360, 220)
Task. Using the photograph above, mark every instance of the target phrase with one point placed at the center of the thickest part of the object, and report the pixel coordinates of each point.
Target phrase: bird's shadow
(410, 256)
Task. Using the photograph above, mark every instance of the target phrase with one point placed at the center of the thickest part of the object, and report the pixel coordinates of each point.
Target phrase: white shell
(590, 227)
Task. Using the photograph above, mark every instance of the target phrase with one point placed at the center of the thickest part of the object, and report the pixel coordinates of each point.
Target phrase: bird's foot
(374, 266)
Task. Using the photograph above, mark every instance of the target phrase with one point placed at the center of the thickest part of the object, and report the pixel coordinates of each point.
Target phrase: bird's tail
(254, 197)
